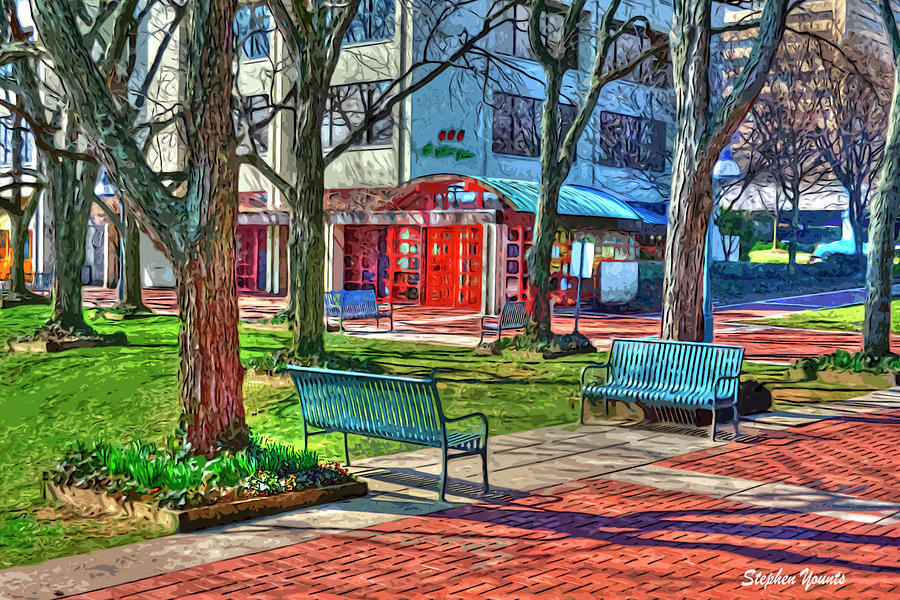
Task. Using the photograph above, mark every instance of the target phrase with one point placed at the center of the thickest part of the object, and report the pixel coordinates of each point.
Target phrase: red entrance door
(453, 267)
(249, 259)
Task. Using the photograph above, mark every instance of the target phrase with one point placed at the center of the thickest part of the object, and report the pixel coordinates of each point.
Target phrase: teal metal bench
(391, 408)
(675, 378)
(512, 317)
(353, 305)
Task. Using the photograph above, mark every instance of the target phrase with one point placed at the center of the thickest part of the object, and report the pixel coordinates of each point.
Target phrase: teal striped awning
(573, 200)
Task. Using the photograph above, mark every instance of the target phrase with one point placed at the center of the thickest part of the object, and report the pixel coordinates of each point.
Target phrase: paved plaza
(591, 511)
(457, 327)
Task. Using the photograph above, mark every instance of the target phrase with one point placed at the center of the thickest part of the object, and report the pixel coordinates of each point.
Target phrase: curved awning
(573, 200)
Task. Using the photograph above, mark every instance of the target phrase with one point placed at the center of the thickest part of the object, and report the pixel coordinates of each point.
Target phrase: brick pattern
(593, 538)
(855, 455)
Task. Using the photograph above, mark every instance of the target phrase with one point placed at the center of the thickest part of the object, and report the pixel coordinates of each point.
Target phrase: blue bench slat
(393, 408)
(672, 375)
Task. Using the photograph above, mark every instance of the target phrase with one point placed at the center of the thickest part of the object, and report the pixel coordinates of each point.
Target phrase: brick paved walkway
(592, 538)
(852, 455)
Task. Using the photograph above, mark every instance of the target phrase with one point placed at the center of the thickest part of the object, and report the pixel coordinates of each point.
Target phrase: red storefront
(460, 242)
(260, 257)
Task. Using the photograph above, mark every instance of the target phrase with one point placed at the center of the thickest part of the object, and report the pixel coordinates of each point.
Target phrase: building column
(490, 298)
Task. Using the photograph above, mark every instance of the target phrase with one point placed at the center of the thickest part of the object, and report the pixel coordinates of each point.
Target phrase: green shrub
(762, 245)
(857, 362)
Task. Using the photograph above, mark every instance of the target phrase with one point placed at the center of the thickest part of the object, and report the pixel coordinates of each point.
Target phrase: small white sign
(582, 264)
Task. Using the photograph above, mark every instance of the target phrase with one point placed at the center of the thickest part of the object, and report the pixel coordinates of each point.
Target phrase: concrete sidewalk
(624, 462)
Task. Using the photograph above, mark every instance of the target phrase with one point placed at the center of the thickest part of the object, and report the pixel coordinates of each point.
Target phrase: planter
(848, 379)
(93, 502)
(125, 316)
(41, 346)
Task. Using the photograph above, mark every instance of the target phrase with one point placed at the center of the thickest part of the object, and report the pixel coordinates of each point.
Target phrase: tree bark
(854, 215)
(132, 288)
(545, 219)
(211, 377)
(691, 201)
(306, 247)
(71, 194)
(882, 216)
(18, 235)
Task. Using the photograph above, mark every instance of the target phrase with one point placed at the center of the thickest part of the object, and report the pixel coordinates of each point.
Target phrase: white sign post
(582, 266)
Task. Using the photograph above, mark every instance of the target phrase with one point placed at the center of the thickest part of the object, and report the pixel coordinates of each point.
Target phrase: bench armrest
(478, 415)
(722, 379)
(496, 318)
(585, 370)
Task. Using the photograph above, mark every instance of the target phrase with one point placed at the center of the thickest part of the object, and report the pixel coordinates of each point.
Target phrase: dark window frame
(254, 40)
(380, 133)
(529, 148)
(518, 30)
(646, 153)
(372, 23)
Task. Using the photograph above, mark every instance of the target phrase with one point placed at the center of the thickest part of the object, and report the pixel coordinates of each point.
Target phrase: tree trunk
(18, 235)
(855, 217)
(132, 289)
(545, 219)
(691, 200)
(71, 194)
(306, 248)
(211, 378)
(882, 216)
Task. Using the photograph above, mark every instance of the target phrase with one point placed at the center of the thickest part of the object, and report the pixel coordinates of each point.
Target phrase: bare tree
(702, 133)
(883, 214)
(785, 124)
(314, 33)
(558, 150)
(191, 208)
(856, 106)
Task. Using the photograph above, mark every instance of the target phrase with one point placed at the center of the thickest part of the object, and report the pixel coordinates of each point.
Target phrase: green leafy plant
(857, 362)
(172, 477)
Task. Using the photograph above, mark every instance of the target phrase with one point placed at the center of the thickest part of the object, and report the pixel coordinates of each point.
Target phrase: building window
(511, 36)
(7, 136)
(629, 47)
(631, 142)
(251, 28)
(517, 124)
(345, 111)
(254, 110)
(374, 22)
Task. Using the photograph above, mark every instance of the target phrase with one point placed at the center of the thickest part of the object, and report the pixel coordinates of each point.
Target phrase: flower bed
(171, 485)
(853, 370)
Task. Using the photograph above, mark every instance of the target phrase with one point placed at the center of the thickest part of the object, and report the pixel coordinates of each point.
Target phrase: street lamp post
(725, 169)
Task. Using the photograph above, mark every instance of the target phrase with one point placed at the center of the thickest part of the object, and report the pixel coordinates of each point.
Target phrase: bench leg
(712, 427)
(736, 419)
(346, 450)
(443, 485)
(484, 468)
(391, 320)
(481, 337)
(581, 416)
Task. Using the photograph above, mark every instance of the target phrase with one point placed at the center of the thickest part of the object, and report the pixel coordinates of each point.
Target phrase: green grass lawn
(849, 318)
(777, 256)
(49, 401)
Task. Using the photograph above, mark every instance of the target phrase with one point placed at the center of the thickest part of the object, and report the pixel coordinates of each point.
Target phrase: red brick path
(594, 538)
(857, 456)
(759, 343)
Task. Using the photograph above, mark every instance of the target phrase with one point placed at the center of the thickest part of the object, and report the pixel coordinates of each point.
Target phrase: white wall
(156, 270)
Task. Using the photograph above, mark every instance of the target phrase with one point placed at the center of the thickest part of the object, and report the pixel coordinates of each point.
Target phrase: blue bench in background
(512, 317)
(354, 305)
(674, 378)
